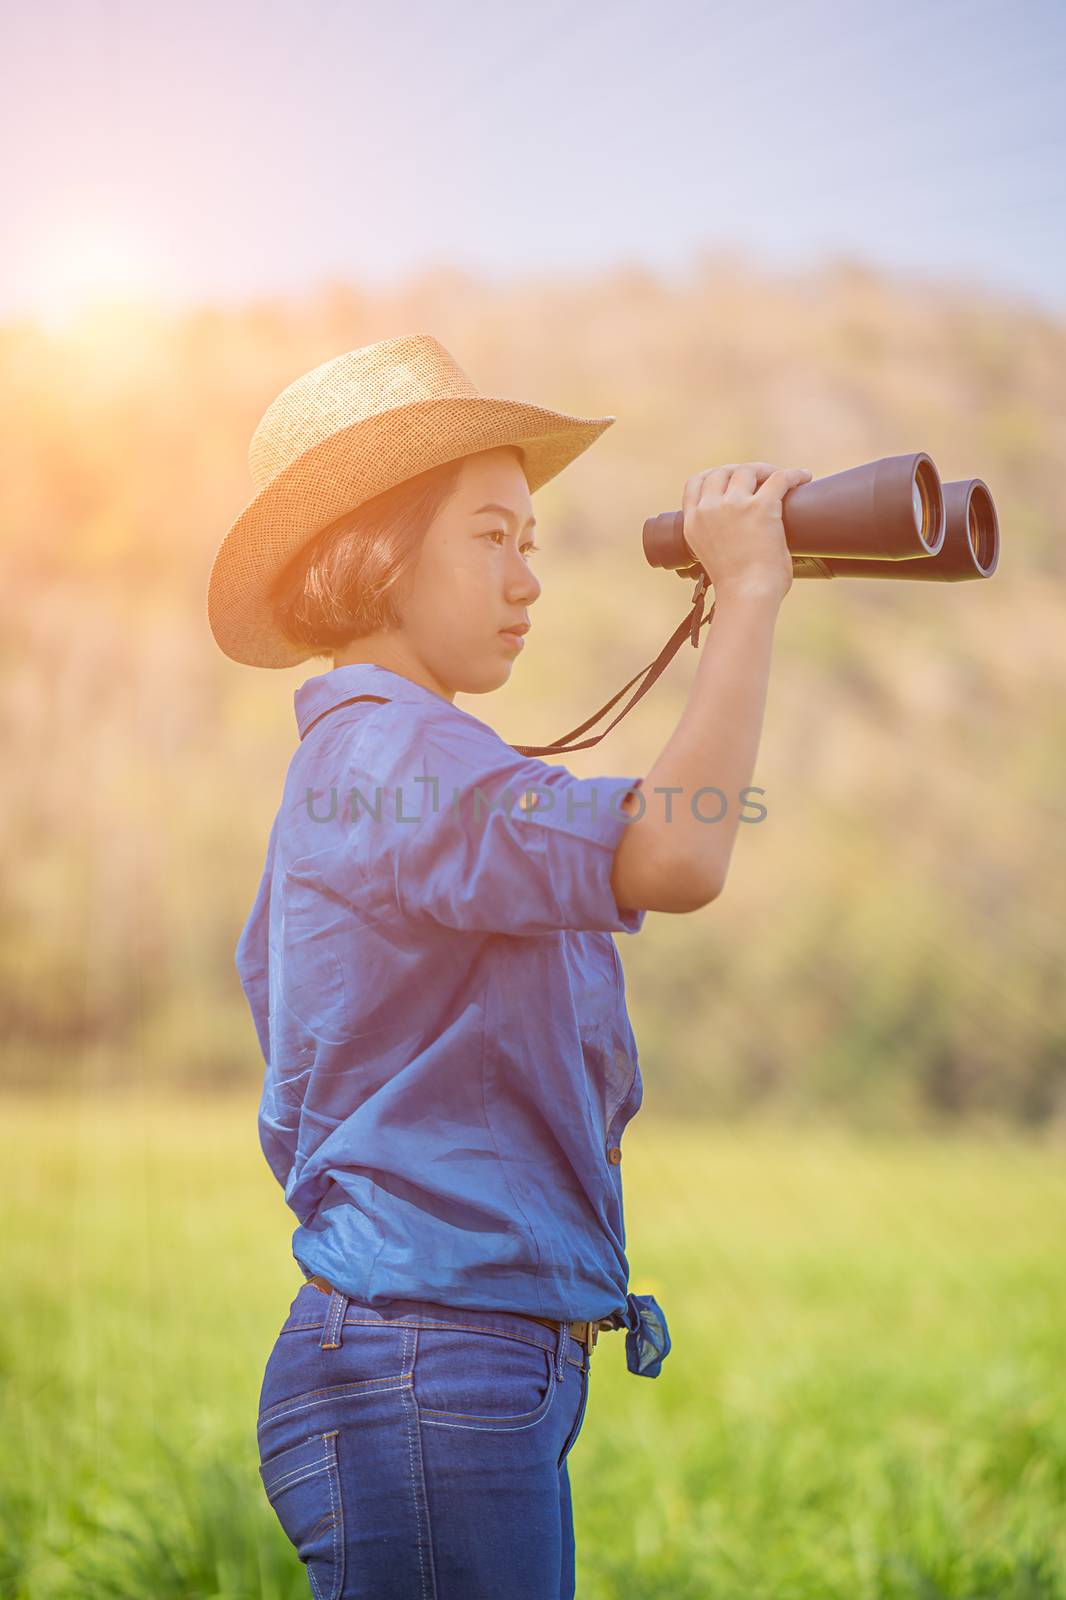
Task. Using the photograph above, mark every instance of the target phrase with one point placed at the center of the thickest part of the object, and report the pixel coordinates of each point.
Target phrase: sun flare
(78, 270)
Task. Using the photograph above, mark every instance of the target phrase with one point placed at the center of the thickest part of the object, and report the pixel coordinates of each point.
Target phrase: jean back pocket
(302, 1484)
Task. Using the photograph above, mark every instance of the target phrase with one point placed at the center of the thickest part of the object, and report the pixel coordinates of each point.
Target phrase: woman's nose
(522, 582)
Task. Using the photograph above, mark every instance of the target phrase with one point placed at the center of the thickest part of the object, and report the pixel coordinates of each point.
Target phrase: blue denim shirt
(441, 1008)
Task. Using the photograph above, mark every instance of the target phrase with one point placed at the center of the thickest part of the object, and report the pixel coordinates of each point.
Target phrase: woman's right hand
(733, 526)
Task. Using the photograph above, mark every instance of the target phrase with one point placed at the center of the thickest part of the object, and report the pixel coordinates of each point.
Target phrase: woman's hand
(733, 525)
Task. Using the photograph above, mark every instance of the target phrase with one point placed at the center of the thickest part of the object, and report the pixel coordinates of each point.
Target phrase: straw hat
(345, 432)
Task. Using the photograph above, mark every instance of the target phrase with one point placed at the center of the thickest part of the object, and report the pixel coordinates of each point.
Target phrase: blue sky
(217, 153)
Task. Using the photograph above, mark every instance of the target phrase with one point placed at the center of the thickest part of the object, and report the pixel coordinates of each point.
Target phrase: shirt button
(614, 1155)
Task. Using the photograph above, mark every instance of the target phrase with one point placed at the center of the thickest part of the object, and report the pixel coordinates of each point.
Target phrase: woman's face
(472, 578)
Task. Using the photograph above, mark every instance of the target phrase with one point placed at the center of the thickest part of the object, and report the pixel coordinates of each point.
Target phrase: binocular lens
(928, 504)
(981, 527)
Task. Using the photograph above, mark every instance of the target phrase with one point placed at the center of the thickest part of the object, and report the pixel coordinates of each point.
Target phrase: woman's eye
(501, 533)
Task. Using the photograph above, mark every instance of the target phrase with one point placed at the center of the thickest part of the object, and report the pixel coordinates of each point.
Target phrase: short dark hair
(344, 582)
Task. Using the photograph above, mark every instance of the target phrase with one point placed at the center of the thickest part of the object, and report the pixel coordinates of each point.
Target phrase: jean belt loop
(331, 1332)
(561, 1347)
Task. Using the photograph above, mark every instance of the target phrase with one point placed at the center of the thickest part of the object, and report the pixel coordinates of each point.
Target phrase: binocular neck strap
(690, 626)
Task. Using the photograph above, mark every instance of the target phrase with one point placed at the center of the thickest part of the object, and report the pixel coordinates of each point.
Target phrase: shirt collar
(328, 689)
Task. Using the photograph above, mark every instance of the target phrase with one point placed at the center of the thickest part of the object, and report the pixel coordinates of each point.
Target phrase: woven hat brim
(353, 466)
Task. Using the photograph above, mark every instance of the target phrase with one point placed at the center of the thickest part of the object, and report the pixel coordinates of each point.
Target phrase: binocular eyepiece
(891, 518)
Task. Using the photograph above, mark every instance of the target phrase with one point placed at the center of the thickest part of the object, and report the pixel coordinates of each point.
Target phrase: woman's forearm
(674, 857)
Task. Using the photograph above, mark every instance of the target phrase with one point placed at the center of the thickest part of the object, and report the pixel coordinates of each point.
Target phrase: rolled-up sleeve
(503, 843)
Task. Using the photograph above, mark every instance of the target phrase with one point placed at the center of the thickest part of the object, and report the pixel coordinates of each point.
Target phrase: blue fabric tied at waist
(647, 1338)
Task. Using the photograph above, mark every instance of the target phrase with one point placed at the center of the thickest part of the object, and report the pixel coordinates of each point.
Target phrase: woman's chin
(482, 680)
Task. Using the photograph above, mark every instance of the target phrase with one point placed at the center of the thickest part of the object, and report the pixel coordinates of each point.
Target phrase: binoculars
(891, 518)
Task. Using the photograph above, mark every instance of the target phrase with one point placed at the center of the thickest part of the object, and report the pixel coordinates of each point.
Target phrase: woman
(429, 964)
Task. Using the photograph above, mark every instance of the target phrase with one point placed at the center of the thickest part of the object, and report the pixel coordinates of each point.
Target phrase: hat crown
(349, 389)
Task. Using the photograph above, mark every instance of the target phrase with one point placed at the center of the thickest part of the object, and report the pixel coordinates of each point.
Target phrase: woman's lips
(513, 638)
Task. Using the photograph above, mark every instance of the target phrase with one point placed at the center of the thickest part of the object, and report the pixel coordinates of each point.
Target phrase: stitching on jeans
(335, 1313)
(427, 1413)
(334, 1391)
(420, 1501)
(473, 1427)
(578, 1421)
(297, 1475)
(337, 1510)
(411, 1481)
(384, 1389)
(464, 1327)
(352, 1386)
(324, 1399)
(428, 1417)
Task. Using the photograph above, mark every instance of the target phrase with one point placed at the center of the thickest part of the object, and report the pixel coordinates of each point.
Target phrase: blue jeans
(421, 1454)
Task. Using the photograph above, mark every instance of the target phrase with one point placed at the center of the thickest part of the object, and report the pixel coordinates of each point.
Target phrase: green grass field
(865, 1400)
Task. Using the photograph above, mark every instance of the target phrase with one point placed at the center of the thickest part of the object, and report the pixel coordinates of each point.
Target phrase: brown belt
(584, 1332)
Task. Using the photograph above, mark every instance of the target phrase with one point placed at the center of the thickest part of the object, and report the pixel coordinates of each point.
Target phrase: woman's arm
(668, 859)
(681, 864)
